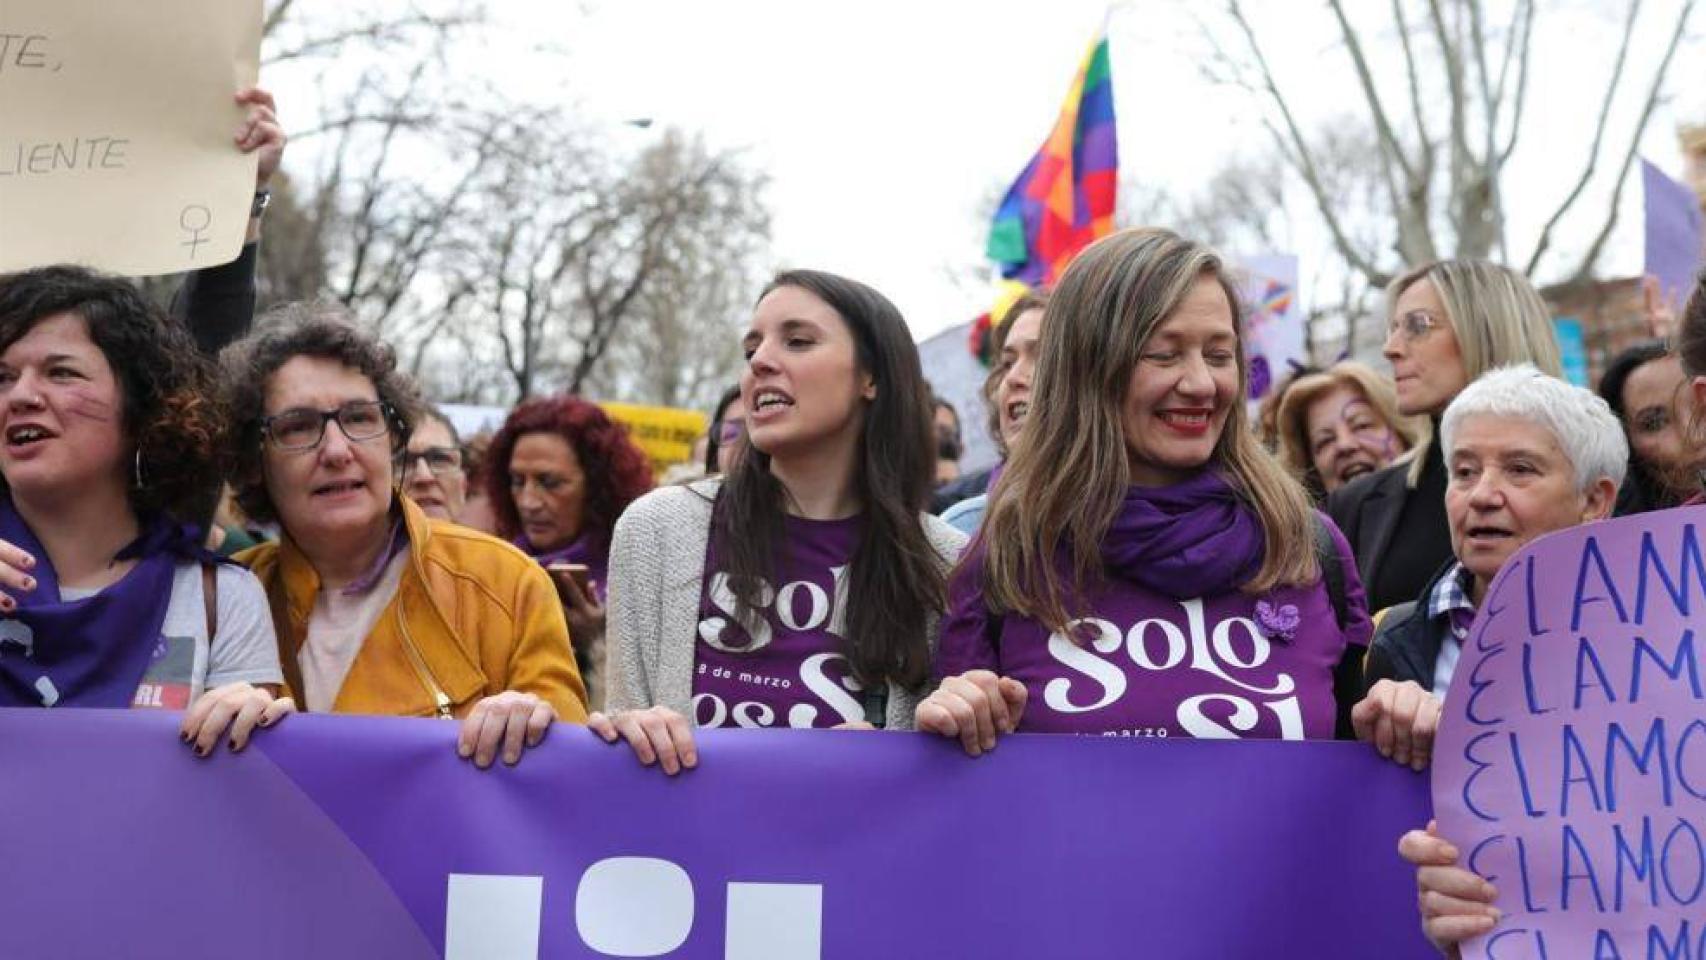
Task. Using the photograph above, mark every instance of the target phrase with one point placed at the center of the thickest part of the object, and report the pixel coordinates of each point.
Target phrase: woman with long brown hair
(1146, 568)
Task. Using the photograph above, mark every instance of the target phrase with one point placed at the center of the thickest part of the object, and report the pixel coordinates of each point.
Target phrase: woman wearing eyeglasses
(378, 608)
(728, 428)
(1450, 322)
(431, 467)
(561, 473)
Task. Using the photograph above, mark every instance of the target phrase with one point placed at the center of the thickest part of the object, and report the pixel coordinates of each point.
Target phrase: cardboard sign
(116, 133)
(1570, 765)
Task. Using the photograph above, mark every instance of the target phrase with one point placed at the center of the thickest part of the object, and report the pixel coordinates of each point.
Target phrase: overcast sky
(885, 126)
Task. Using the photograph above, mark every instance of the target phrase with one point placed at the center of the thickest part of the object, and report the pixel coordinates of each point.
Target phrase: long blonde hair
(1068, 473)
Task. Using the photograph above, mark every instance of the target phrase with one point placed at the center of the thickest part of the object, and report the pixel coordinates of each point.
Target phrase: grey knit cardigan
(656, 578)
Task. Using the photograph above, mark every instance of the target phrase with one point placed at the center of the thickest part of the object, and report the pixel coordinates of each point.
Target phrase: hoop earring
(138, 471)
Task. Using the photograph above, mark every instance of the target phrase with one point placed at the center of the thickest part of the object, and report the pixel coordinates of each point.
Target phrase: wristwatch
(263, 199)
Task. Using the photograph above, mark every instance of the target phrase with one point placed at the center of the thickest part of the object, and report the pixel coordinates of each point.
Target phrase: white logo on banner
(630, 907)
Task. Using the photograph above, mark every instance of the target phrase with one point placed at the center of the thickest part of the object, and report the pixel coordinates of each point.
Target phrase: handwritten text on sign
(1572, 759)
(116, 123)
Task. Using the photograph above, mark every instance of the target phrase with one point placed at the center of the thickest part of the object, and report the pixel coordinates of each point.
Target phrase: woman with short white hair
(1526, 454)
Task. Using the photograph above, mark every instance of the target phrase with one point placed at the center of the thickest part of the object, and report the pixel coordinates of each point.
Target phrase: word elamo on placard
(1571, 761)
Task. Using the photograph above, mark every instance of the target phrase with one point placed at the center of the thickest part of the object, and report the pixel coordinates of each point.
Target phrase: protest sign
(666, 434)
(117, 126)
(366, 837)
(1570, 765)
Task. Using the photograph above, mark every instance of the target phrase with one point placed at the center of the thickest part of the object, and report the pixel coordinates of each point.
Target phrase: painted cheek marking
(82, 402)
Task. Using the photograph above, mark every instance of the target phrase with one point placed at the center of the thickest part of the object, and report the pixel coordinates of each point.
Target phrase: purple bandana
(396, 540)
(1192, 539)
(91, 652)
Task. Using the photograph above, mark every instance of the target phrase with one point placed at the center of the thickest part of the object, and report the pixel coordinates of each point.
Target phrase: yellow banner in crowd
(116, 132)
(666, 434)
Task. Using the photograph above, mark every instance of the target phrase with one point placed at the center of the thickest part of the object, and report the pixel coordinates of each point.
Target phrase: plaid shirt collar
(1450, 598)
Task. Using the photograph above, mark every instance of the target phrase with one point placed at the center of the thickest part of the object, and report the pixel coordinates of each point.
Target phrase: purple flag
(1676, 234)
(365, 837)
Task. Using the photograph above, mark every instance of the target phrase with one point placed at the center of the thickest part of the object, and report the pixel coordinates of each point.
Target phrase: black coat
(1406, 645)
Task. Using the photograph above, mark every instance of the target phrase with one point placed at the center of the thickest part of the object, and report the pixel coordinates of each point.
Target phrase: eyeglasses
(1415, 324)
(302, 428)
(730, 430)
(442, 461)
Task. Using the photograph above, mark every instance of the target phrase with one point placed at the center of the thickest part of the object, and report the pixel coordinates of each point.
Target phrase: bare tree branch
(1390, 147)
(1298, 149)
(1424, 141)
(1584, 269)
(1545, 242)
(379, 33)
(1521, 83)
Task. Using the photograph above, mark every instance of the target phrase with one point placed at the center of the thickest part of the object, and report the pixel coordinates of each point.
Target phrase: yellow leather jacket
(473, 616)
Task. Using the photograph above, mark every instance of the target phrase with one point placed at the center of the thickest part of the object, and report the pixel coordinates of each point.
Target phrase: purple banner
(1675, 234)
(1571, 759)
(364, 837)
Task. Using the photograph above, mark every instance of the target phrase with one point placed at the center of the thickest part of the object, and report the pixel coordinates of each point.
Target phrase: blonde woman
(1340, 424)
(1146, 568)
(1449, 322)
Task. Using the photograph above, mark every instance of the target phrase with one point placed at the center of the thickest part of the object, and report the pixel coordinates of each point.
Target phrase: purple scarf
(90, 652)
(583, 551)
(1193, 539)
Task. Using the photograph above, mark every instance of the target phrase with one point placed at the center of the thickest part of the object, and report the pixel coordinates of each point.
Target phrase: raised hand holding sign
(116, 128)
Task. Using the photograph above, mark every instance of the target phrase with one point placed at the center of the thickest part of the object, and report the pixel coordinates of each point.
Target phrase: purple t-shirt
(792, 672)
(1146, 665)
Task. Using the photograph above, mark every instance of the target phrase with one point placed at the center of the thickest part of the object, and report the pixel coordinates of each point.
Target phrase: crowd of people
(243, 517)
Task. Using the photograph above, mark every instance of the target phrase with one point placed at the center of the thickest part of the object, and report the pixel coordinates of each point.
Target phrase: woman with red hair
(560, 473)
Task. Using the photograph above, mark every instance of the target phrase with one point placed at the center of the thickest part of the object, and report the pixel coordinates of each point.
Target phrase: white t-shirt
(185, 664)
(337, 627)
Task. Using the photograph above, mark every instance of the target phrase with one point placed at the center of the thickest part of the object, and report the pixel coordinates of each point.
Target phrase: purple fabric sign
(366, 838)
(1571, 760)
(1676, 234)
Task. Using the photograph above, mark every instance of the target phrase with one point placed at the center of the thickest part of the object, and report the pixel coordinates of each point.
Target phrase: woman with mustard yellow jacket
(379, 609)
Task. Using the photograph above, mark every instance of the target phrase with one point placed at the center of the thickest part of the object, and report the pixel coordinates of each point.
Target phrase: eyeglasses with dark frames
(441, 461)
(302, 428)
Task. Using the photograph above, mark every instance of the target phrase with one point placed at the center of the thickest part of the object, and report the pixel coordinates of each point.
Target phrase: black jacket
(218, 303)
(1406, 645)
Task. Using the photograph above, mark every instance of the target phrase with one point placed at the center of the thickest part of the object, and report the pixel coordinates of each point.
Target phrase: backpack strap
(1332, 573)
(1348, 674)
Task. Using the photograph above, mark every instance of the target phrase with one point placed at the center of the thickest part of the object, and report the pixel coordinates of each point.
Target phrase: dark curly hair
(292, 330)
(171, 413)
(617, 471)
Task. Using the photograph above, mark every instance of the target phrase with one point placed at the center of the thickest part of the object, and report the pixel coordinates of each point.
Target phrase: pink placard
(1570, 765)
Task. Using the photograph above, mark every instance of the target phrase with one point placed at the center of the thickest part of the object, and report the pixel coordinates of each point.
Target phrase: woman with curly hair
(109, 446)
(560, 473)
(378, 608)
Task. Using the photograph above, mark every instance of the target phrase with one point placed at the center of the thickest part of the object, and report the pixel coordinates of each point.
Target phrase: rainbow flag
(1065, 197)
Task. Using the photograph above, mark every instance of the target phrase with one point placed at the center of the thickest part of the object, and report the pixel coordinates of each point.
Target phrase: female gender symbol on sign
(194, 219)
